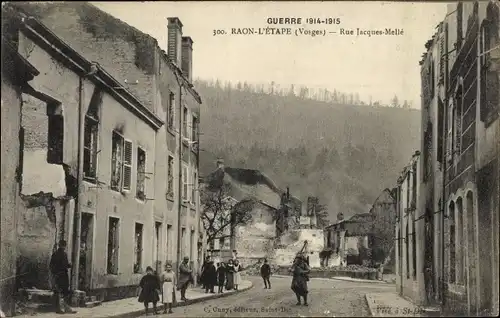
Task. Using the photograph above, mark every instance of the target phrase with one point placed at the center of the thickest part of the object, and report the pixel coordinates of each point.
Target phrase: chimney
(187, 57)
(220, 164)
(174, 50)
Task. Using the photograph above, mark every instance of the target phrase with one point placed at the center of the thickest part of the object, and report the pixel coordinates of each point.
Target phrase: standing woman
(168, 282)
(150, 289)
(300, 271)
(237, 274)
(230, 275)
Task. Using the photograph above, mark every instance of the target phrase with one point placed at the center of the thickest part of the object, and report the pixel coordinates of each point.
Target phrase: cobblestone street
(328, 298)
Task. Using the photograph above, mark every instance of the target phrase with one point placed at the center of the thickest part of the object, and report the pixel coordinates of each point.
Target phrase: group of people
(153, 286)
(223, 275)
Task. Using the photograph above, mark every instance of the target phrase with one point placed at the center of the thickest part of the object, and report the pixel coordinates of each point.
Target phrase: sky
(376, 67)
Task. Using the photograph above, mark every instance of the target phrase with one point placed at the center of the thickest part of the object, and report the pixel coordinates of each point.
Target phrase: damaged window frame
(171, 111)
(141, 174)
(121, 166)
(90, 144)
(138, 247)
(170, 177)
(113, 247)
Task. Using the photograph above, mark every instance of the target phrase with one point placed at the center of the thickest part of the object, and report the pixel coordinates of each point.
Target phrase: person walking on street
(265, 272)
(300, 271)
(150, 289)
(168, 291)
(221, 276)
(185, 277)
(210, 277)
(59, 266)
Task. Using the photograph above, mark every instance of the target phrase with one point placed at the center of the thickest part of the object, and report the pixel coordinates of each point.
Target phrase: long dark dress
(203, 273)
(150, 285)
(210, 275)
(230, 277)
(221, 276)
(300, 278)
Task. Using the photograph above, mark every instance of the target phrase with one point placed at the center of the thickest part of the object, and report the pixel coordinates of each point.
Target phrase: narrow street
(328, 298)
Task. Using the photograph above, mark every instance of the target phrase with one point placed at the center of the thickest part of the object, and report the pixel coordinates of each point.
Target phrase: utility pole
(179, 201)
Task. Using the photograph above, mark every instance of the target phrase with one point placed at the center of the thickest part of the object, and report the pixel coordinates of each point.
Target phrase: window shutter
(127, 165)
(441, 60)
(458, 132)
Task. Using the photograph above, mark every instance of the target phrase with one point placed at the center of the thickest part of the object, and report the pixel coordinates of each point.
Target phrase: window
(170, 177)
(91, 131)
(185, 123)
(490, 85)
(113, 245)
(450, 130)
(141, 174)
(459, 26)
(457, 149)
(211, 245)
(184, 182)
(183, 241)
(138, 248)
(121, 163)
(193, 187)
(452, 264)
(194, 129)
(171, 112)
(221, 243)
(56, 139)
(169, 240)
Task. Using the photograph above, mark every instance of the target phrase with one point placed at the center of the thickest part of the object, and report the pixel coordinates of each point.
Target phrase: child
(150, 289)
(168, 283)
(221, 276)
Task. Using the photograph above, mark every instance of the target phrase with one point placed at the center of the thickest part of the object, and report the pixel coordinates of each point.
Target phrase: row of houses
(448, 196)
(100, 135)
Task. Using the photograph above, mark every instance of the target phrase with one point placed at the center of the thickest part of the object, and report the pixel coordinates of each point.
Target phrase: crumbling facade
(16, 73)
(138, 168)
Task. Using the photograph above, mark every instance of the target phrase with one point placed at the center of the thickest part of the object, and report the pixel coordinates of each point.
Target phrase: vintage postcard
(250, 158)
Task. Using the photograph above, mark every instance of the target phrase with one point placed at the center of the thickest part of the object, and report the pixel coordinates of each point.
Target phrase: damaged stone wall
(256, 239)
(41, 224)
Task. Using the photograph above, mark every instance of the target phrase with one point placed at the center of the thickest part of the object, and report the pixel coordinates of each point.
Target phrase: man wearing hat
(59, 266)
(300, 271)
(185, 277)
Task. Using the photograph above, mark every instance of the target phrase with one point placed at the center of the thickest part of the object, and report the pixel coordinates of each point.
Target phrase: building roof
(21, 66)
(60, 50)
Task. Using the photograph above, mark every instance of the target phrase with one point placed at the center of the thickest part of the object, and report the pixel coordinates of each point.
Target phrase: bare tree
(222, 213)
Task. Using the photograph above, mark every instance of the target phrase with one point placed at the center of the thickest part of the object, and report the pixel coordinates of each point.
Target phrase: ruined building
(90, 174)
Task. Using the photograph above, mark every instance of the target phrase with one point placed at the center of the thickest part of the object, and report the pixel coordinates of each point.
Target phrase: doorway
(86, 252)
(157, 247)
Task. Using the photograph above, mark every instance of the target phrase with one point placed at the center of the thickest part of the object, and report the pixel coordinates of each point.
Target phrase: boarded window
(171, 104)
(141, 174)
(138, 248)
(113, 245)
(55, 139)
(170, 177)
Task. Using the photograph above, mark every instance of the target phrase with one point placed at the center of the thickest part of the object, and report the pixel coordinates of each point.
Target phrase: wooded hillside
(330, 145)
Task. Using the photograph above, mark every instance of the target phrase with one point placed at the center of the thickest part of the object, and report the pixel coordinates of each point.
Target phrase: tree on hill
(395, 102)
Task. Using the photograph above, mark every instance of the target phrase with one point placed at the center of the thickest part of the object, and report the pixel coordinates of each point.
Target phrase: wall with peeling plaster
(99, 201)
(10, 124)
